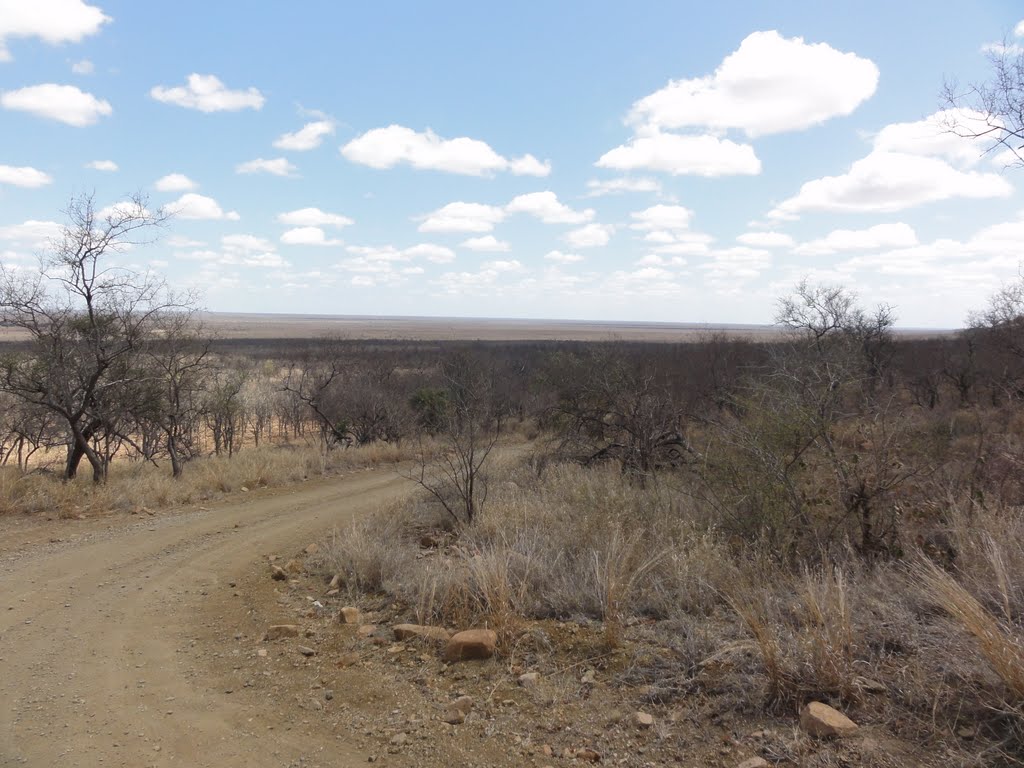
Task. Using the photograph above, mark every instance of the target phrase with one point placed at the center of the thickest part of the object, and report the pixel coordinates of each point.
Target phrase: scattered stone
(411, 631)
(643, 719)
(868, 685)
(336, 582)
(262, 653)
(967, 732)
(312, 549)
(348, 660)
(529, 679)
(293, 566)
(328, 694)
(244, 489)
(589, 677)
(306, 651)
(755, 762)
(821, 720)
(471, 644)
(349, 615)
(399, 739)
(277, 573)
(588, 755)
(277, 631)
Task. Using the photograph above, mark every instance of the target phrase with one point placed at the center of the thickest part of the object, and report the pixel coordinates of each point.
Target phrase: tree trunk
(172, 450)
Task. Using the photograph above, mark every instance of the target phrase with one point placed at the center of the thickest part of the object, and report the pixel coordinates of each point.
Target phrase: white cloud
(766, 239)
(199, 207)
(309, 136)
(307, 236)
(250, 251)
(662, 217)
(278, 166)
(313, 217)
(731, 266)
(770, 84)
(175, 182)
(65, 103)
(438, 254)
(486, 243)
(563, 258)
(208, 94)
(396, 145)
(546, 207)
(656, 260)
(108, 166)
(897, 235)
(31, 234)
(679, 155)
(463, 217)
(24, 176)
(910, 164)
(83, 67)
(511, 265)
(590, 236)
(886, 182)
(179, 241)
(53, 21)
(625, 184)
(1019, 29)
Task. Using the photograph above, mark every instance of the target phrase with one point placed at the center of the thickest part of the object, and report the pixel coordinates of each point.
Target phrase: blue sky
(646, 161)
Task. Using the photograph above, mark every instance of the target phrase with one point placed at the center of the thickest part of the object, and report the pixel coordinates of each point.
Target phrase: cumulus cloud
(563, 258)
(64, 103)
(897, 235)
(199, 207)
(910, 164)
(83, 67)
(683, 155)
(52, 21)
(766, 239)
(770, 84)
(546, 207)
(662, 217)
(397, 145)
(207, 93)
(885, 182)
(108, 166)
(278, 166)
(463, 217)
(175, 182)
(30, 234)
(438, 254)
(250, 251)
(24, 176)
(309, 136)
(313, 217)
(307, 236)
(590, 236)
(486, 243)
(599, 188)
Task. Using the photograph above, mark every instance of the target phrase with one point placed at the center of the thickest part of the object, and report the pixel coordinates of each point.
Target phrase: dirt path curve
(96, 632)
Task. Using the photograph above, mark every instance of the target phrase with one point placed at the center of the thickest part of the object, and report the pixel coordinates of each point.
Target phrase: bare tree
(991, 111)
(85, 319)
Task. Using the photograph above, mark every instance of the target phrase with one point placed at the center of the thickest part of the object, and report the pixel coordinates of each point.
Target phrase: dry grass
(132, 486)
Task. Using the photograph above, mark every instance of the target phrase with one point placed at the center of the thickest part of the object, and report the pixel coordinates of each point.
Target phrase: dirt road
(99, 663)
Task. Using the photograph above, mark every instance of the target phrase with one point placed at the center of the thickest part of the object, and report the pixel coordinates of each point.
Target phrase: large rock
(471, 644)
(413, 631)
(277, 631)
(349, 615)
(823, 721)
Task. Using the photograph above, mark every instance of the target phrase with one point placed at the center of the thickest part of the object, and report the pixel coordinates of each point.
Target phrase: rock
(643, 719)
(293, 566)
(306, 651)
(348, 659)
(277, 573)
(966, 732)
(312, 549)
(589, 677)
(411, 631)
(243, 489)
(464, 704)
(262, 653)
(277, 631)
(529, 679)
(453, 716)
(336, 582)
(365, 630)
(349, 615)
(399, 739)
(821, 720)
(868, 685)
(755, 762)
(471, 644)
(588, 755)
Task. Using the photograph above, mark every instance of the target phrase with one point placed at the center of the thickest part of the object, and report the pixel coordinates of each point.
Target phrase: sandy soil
(109, 633)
